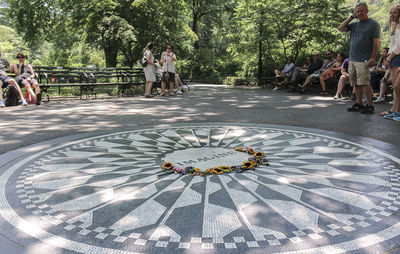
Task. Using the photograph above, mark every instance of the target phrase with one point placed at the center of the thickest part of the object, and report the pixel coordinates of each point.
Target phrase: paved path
(83, 176)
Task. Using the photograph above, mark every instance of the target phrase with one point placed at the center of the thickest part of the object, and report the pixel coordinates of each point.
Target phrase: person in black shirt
(300, 74)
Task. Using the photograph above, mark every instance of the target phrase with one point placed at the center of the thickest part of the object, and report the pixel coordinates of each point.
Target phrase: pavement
(82, 176)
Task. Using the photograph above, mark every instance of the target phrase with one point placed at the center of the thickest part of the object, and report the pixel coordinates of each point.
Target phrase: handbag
(143, 61)
(166, 76)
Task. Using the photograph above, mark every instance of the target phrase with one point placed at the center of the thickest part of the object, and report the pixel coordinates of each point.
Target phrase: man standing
(364, 46)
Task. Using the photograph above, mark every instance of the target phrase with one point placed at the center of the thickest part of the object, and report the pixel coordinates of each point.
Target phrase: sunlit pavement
(83, 176)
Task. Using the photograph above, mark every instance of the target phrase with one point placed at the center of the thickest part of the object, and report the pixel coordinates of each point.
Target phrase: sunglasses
(360, 3)
(169, 48)
(20, 57)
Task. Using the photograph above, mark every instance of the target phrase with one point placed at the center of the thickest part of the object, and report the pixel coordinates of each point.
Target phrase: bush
(239, 81)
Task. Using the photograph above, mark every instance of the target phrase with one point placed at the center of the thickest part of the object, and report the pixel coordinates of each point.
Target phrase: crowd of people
(360, 69)
(166, 72)
(24, 78)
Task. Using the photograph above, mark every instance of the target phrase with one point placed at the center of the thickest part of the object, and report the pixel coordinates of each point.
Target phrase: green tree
(273, 30)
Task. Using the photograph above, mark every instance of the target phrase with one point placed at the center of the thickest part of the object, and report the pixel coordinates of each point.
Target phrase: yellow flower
(167, 165)
(259, 154)
(248, 164)
(225, 168)
(217, 171)
(238, 148)
(250, 151)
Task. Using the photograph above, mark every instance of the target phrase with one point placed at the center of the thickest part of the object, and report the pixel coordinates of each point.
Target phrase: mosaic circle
(108, 194)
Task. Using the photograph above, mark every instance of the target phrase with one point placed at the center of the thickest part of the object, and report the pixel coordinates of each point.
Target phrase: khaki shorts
(359, 73)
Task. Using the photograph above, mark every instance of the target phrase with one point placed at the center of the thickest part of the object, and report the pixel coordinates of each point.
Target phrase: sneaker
(356, 108)
(337, 96)
(276, 88)
(391, 103)
(179, 92)
(368, 109)
(396, 118)
(2, 105)
(23, 102)
(392, 115)
(379, 100)
(323, 93)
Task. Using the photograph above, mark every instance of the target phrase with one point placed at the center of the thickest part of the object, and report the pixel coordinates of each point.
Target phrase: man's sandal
(384, 113)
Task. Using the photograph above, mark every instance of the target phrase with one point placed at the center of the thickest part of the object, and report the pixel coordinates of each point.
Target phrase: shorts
(171, 77)
(23, 82)
(315, 75)
(395, 62)
(4, 80)
(359, 73)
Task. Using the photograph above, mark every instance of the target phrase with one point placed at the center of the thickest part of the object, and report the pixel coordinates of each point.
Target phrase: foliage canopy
(213, 39)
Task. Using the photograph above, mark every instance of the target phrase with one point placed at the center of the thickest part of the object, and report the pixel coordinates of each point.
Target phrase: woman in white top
(149, 70)
(393, 62)
(167, 59)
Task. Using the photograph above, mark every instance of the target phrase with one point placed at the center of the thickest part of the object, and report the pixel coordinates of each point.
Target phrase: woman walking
(149, 70)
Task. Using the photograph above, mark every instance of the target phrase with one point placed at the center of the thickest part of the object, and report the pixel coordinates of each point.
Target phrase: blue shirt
(288, 68)
(362, 35)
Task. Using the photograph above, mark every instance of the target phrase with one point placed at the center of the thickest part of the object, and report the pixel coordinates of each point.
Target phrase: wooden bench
(87, 79)
(267, 80)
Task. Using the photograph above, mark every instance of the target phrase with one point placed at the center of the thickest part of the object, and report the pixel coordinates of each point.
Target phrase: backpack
(143, 61)
(12, 96)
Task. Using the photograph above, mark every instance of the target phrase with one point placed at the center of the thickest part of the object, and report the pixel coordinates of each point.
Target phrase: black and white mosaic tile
(106, 194)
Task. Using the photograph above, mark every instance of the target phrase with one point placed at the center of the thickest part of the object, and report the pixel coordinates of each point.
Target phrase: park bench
(157, 84)
(267, 81)
(88, 79)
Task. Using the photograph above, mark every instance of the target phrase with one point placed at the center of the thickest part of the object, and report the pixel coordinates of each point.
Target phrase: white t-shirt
(168, 64)
(395, 42)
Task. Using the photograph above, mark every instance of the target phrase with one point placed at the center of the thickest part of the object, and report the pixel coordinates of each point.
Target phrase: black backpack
(12, 96)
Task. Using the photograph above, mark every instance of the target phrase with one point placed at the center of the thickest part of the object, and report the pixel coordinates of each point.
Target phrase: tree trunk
(111, 53)
(260, 52)
(195, 29)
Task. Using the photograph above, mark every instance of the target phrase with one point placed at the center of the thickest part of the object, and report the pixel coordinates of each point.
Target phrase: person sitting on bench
(5, 81)
(285, 73)
(25, 78)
